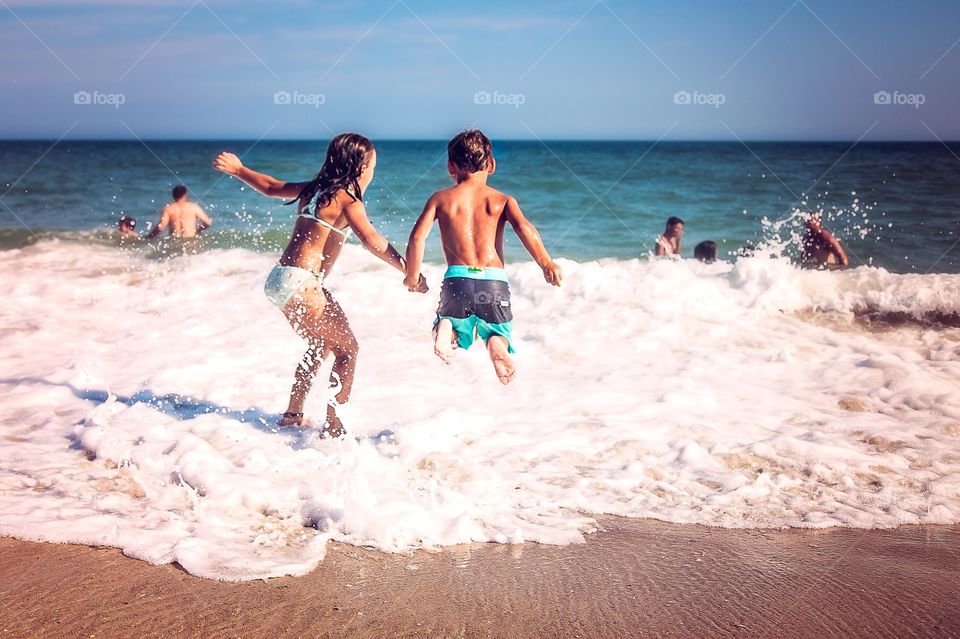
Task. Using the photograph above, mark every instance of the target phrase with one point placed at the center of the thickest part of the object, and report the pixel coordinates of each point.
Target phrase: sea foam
(140, 395)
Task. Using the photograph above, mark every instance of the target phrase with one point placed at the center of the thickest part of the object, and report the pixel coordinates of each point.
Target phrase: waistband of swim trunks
(476, 273)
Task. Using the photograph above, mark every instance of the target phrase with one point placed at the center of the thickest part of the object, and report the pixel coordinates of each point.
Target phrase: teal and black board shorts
(477, 302)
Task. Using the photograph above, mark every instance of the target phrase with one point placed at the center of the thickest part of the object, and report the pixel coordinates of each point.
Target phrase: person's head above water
(814, 222)
(179, 192)
(706, 251)
(126, 223)
(469, 152)
(349, 166)
(674, 227)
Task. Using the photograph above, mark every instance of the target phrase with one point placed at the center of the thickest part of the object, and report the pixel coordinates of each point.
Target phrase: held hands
(419, 286)
(227, 163)
(552, 273)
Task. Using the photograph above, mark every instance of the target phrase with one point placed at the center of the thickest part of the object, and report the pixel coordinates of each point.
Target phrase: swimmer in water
(820, 248)
(183, 218)
(475, 297)
(706, 251)
(127, 231)
(669, 242)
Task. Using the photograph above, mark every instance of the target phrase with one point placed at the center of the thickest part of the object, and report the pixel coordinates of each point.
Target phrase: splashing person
(820, 247)
(329, 209)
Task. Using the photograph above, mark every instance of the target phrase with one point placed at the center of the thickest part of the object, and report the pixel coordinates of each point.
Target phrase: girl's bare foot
(443, 344)
(291, 419)
(502, 362)
(334, 427)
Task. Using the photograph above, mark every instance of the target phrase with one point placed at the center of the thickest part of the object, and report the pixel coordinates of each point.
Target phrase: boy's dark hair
(706, 251)
(179, 191)
(673, 221)
(127, 221)
(470, 151)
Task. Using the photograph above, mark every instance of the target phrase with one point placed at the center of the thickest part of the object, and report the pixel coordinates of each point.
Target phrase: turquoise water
(893, 204)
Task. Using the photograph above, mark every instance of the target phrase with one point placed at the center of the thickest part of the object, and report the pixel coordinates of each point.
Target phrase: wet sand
(637, 578)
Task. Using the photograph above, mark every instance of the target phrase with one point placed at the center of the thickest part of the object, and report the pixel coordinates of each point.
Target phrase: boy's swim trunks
(477, 302)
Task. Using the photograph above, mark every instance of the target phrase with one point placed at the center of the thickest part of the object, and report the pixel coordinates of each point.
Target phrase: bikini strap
(345, 232)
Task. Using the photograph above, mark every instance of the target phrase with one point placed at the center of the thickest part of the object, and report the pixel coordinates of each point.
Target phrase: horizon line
(505, 139)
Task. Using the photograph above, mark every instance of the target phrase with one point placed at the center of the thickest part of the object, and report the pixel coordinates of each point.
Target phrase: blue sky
(751, 69)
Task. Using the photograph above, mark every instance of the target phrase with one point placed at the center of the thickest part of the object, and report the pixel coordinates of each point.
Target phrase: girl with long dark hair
(329, 208)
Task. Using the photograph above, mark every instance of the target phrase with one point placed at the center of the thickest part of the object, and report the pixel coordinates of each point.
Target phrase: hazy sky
(706, 69)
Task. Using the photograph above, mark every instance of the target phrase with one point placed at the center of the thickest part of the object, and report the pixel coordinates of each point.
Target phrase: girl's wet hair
(347, 154)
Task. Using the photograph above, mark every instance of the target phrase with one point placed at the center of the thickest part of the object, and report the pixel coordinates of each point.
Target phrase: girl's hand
(417, 286)
(227, 163)
(421, 285)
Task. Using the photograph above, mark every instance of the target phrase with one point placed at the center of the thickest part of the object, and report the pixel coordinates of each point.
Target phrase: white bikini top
(345, 232)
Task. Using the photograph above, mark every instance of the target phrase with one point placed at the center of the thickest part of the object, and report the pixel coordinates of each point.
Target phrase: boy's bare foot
(502, 362)
(443, 344)
(291, 419)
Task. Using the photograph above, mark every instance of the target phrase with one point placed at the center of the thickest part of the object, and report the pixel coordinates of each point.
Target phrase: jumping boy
(475, 296)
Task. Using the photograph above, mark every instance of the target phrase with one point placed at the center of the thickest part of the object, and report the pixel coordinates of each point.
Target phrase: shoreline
(635, 578)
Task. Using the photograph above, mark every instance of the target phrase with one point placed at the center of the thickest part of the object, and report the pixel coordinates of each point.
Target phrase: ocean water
(892, 204)
(140, 389)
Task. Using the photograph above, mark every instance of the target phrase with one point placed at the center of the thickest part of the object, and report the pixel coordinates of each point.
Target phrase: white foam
(138, 398)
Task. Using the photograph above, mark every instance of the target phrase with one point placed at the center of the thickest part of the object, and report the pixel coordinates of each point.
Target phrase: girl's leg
(305, 313)
(319, 319)
(343, 345)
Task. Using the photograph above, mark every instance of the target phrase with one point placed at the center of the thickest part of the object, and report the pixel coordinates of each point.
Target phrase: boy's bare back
(472, 217)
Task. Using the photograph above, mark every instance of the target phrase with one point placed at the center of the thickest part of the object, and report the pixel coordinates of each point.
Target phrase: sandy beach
(636, 578)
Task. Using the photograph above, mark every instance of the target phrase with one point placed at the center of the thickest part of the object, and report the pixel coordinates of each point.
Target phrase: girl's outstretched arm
(371, 239)
(268, 185)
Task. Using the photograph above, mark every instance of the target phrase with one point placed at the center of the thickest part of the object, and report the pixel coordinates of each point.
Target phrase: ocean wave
(140, 396)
